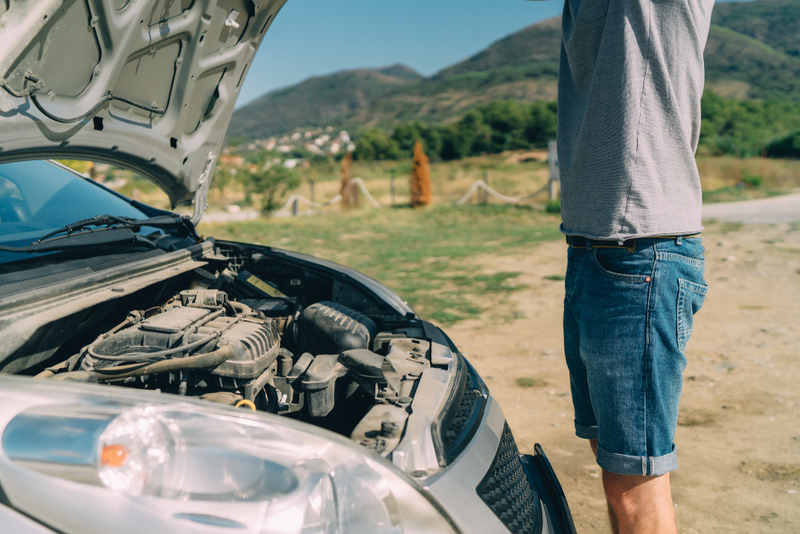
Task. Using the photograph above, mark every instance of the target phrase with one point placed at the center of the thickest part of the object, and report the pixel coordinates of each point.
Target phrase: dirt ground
(738, 437)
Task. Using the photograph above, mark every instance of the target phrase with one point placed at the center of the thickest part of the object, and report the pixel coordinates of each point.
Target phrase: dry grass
(531, 382)
(512, 174)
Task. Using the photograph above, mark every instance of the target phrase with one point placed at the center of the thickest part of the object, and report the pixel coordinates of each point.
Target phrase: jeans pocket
(690, 300)
(619, 264)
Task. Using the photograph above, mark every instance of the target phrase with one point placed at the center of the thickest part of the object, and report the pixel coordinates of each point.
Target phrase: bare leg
(612, 517)
(638, 504)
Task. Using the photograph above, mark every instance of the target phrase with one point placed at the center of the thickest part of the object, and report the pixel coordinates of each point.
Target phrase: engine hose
(346, 327)
(151, 355)
(200, 361)
(244, 309)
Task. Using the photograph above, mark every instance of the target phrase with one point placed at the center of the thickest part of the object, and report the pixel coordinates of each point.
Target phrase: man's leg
(640, 503)
(612, 516)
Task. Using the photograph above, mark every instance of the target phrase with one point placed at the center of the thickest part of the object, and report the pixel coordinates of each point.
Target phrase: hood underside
(146, 84)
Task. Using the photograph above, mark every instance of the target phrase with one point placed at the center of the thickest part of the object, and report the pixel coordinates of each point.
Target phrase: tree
(787, 146)
(271, 184)
(377, 145)
(420, 178)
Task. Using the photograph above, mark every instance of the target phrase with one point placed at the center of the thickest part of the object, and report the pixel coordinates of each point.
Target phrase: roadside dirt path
(739, 434)
(783, 209)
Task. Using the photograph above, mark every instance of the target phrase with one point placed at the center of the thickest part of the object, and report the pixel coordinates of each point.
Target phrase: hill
(317, 100)
(753, 52)
(774, 22)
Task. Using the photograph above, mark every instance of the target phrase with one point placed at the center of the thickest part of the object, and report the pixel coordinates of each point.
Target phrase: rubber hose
(347, 328)
(200, 361)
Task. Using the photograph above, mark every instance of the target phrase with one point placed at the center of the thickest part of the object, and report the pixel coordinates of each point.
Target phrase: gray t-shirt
(629, 91)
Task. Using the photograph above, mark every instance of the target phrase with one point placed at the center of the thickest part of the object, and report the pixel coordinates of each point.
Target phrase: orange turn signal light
(114, 455)
(248, 403)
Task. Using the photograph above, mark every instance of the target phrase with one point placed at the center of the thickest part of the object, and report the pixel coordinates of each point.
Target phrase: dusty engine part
(320, 383)
(346, 328)
(382, 428)
(201, 323)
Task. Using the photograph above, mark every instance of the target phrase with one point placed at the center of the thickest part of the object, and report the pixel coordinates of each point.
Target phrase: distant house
(335, 147)
(314, 149)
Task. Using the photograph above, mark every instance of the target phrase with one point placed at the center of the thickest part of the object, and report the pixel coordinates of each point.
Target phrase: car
(152, 380)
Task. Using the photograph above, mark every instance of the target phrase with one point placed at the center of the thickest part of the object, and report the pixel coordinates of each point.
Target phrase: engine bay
(264, 342)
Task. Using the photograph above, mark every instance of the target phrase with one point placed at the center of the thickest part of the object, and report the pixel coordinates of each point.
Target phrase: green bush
(753, 180)
(553, 206)
(743, 127)
(488, 129)
(271, 184)
(787, 146)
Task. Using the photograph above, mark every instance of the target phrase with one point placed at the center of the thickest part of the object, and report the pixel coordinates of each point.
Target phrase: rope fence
(479, 185)
(480, 188)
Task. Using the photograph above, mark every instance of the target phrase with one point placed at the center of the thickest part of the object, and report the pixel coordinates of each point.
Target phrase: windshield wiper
(102, 230)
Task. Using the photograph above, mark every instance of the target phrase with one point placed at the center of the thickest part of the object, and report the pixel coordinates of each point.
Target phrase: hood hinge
(203, 184)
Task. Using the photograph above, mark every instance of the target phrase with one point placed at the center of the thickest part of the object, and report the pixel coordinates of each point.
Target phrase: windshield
(37, 197)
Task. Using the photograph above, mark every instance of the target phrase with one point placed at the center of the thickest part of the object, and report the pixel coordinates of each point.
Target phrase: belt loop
(678, 241)
(588, 245)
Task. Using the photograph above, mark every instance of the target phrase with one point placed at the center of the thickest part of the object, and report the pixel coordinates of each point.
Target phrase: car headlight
(90, 459)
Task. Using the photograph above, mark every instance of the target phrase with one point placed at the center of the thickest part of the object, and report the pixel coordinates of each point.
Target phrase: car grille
(469, 402)
(467, 415)
(507, 491)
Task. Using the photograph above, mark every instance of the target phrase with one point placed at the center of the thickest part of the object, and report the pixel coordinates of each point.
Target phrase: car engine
(235, 339)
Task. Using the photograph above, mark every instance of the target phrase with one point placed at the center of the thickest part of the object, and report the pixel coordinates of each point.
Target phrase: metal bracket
(203, 184)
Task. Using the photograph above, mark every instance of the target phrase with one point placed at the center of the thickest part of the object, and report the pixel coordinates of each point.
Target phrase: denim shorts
(628, 314)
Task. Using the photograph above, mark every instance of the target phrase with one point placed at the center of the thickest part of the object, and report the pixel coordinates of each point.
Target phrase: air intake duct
(346, 328)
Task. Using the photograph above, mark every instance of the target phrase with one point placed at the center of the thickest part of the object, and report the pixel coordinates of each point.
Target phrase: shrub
(420, 178)
(787, 146)
(553, 206)
(271, 184)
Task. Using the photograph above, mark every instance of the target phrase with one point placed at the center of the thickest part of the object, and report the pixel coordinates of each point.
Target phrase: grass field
(429, 257)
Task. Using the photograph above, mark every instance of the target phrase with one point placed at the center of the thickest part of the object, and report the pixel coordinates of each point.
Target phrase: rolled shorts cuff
(623, 464)
(585, 432)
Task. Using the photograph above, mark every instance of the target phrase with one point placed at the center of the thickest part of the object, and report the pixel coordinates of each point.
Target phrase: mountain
(773, 22)
(753, 52)
(538, 43)
(739, 66)
(316, 100)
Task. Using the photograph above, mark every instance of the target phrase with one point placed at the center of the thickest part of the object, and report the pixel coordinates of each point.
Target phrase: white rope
(304, 200)
(482, 185)
(338, 198)
(363, 187)
(360, 183)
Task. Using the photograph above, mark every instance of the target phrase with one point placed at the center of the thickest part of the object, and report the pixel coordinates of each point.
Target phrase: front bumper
(491, 488)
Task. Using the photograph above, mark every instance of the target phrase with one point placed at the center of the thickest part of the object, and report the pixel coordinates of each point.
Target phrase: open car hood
(146, 84)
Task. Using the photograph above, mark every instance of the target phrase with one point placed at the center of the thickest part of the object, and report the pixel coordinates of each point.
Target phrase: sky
(317, 37)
